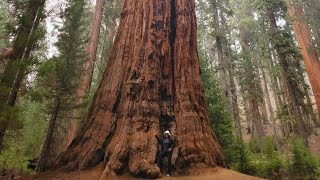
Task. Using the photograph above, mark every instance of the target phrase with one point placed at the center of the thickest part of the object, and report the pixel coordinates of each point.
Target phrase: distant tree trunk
(246, 111)
(267, 98)
(88, 67)
(306, 107)
(309, 53)
(221, 56)
(45, 159)
(234, 100)
(275, 81)
(269, 105)
(253, 104)
(23, 45)
(230, 67)
(264, 111)
(311, 111)
(152, 83)
(290, 83)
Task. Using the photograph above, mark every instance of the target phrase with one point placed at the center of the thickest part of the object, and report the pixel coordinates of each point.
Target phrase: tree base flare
(151, 84)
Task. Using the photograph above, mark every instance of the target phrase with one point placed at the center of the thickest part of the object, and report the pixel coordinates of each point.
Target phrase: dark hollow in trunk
(152, 83)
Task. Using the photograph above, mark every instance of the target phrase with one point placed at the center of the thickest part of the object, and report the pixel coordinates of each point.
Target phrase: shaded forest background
(260, 70)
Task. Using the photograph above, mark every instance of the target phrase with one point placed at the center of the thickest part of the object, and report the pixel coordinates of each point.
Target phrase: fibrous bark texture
(152, 83)
(308, 51)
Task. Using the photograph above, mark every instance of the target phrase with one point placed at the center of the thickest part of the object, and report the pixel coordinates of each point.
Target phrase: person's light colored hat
(167, 132)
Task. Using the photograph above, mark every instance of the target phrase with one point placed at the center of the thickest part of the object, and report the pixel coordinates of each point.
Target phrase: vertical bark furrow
(157, 63)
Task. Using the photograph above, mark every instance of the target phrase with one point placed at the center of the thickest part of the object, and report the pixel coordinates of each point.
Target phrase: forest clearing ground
(201, 174)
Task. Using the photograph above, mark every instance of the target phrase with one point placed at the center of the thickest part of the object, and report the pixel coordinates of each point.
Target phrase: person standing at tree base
(167, 146)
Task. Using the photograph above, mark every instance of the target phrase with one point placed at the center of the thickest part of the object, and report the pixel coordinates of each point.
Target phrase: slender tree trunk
(267, 97)
(311, 111)
(23, 45)
(291, 84)
(152, 83)
(88, 67)
(246, 111)
(234, 98)
(310, 117)
(45, 158)
(264, 111)
(232, 85)
(275, 79)
(221, 56)
(309, 53)
(253, 104)
(269, 105)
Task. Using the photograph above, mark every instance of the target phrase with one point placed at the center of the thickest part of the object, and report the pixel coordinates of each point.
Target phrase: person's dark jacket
(166, 143)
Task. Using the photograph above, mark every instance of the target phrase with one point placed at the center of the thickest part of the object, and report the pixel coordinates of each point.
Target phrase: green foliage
(25, 144)
(56, 77)
(221, 121)
(273, 164)
(303, 163)
(4, 22)
(241, 161)
(267, 164)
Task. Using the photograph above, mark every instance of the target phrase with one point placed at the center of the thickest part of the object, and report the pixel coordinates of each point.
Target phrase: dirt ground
(204, 174)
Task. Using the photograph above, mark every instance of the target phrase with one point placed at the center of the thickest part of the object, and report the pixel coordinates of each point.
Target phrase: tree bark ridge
(152, 83)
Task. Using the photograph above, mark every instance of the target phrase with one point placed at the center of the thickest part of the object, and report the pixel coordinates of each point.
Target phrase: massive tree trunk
(309, 53)
(88, 67)
(152, 83)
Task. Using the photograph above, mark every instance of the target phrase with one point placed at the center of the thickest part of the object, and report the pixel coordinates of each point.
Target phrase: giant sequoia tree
(308, 51)
(152, 83)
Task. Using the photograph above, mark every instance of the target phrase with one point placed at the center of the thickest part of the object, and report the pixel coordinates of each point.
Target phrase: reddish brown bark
(152, 83)
(309, 53)
(6, 54)
(88, 67)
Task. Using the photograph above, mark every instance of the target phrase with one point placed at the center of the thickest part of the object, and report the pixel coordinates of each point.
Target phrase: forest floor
(202, 174)
(313, 139)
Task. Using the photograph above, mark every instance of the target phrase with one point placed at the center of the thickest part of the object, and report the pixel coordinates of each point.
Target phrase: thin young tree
(15, 69)
(63, 80)
(88, 67)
